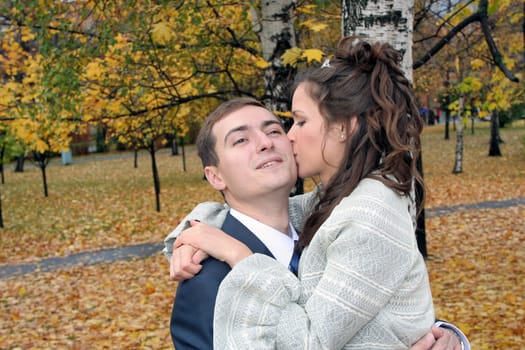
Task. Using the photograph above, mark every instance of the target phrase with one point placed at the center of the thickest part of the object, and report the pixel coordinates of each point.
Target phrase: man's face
(255, 156)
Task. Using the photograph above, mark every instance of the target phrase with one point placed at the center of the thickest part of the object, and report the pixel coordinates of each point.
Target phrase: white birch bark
(276, 31)
(383, 20)
(458, 164)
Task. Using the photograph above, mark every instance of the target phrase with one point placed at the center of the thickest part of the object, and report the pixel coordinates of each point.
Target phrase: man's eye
(275, 132)
(239, 141)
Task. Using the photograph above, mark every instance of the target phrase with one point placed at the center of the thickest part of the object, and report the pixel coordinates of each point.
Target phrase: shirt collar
(280, 244)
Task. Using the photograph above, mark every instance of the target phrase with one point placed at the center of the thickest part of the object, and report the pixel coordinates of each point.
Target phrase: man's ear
(214, 177)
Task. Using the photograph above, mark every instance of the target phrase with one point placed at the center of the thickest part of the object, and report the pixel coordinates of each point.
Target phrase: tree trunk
(155, 172)
(420, 223)
(447, 110)
(447, 124)
(183, 154)
(44, 180)
(458, 165)
(100, 139)
(19, 168)
(2, 152)
(385, 21)
(42, 160)
(1, 213)
(174, 145)
(135, 158)
(473, 116)
(277, 34)
(390, 22)
(494, 150)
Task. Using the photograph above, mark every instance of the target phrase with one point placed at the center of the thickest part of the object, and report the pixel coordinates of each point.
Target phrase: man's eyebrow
(264, 124)
(271, 122)
(237, 129)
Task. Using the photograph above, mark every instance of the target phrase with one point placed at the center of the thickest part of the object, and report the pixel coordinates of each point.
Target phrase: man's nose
(264, 142)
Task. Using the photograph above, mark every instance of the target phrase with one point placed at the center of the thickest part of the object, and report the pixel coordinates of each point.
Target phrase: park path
(148, 249)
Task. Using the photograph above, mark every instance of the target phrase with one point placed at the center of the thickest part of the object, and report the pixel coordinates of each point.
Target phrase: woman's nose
(291, 134)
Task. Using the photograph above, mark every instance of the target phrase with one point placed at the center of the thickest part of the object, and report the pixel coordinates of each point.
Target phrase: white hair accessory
(326, 63)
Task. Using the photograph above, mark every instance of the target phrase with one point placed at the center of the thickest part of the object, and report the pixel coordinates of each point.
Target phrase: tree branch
(480, 16)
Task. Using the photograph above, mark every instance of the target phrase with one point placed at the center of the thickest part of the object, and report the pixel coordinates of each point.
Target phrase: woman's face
(318, 149)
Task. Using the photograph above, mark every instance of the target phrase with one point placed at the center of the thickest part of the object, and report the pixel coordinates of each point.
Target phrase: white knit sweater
(362, 282)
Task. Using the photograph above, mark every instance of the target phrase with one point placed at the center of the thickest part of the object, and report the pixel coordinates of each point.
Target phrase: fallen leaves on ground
(476, 263)
(94, 205)
(125, 305)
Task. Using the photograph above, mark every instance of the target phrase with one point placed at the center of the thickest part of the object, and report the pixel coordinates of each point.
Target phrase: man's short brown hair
(206, 140)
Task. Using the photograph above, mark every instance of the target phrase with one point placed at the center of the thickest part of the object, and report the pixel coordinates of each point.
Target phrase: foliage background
(476, 262)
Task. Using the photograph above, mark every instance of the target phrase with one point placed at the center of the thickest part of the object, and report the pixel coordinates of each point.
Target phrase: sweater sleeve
(239, 322)
(299, 207)
(212, 213)
(356, 263)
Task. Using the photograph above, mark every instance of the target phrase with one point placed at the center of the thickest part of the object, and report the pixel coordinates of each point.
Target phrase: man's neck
(271, 213)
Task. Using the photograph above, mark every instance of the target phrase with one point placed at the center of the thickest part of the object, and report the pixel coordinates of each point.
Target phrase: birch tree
(275, 27)
(390, 22)
(458, 163)
(385, 21)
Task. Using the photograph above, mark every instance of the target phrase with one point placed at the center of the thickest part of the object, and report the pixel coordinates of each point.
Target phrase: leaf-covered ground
(476, 262)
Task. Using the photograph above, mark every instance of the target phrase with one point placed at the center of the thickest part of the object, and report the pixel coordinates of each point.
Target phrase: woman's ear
(352, 125)
(342, 132)
(214, 177)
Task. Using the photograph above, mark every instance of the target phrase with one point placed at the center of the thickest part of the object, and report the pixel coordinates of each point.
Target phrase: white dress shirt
(280, 244)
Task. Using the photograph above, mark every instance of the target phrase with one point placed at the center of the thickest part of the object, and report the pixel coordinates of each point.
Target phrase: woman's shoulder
(374, 207)
(372, 198)
(375, 190)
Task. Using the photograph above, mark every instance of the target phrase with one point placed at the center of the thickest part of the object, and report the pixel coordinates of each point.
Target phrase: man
(247, 156)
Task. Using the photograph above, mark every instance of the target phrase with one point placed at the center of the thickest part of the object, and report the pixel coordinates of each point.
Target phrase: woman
(362, 282)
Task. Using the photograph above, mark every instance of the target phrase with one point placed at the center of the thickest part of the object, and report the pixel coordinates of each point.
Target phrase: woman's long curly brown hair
(364, 81)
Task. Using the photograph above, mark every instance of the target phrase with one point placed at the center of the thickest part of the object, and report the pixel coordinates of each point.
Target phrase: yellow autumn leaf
(41, 146)
(149, 288)
(27, 35)
(477, 63)
(261, 63)
(94, 71)
(287, 114)
(291, 56)
(483, 113)
(161, 33)
(318, 26)
(312, 55)
(314, 25)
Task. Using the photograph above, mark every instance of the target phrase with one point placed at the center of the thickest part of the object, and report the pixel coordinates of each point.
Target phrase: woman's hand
(438, 339)
(211, 241)
(185, 262)
(446, 339)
